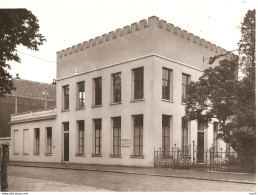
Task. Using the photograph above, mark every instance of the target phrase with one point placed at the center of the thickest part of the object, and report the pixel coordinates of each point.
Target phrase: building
(119, 96)
(27, 96)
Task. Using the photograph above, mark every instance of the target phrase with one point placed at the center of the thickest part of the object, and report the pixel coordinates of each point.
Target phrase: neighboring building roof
(33, 89)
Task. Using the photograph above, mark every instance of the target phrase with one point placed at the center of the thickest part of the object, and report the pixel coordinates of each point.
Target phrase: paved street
(49, 179)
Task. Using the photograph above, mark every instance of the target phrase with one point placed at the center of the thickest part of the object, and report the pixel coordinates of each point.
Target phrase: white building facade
(127, 99)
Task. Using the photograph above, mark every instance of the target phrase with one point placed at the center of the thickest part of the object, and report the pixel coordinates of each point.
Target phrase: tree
(220, 94)
(17, 27)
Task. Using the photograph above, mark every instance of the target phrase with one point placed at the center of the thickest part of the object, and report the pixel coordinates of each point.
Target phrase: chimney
(17, 76)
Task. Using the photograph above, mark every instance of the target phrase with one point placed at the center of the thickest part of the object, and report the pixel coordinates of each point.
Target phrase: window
(25, 141)
(166, 84)
(98, 91)
(97, 136)
(80, 137)
(36, 140)
(117, 136)
(116, 79)
(49, 140)
(81, 95)
(138, 135)
(165, 134)
(66, 97)
(16, 142)
(138, 83)
(184, 133)
(66, 126)
(215, 136)
(185, 83)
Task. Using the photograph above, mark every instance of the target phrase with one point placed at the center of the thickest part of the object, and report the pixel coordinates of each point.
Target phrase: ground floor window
(97, 136)
(117, 136)
(80, 137)
(16, 142)
(138, 135)
(165, 134)
(49, 140)
(36, 140)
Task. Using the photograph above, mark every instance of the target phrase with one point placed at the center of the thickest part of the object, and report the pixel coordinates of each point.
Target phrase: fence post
(4, 182)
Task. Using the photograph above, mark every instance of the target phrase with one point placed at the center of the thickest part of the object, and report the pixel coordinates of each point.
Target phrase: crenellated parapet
(152, 22)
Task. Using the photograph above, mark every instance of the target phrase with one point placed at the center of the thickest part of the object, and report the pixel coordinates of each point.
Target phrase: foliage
(219, 94)
(18, 27)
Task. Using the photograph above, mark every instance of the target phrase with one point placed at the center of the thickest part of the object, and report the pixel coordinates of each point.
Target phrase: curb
(126, 172)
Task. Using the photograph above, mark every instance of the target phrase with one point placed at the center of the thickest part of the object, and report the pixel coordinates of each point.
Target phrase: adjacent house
(29, 95)
(119, 97)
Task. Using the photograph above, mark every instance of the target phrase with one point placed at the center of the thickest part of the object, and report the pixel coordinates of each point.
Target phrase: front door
(66, 146)
(200, 147)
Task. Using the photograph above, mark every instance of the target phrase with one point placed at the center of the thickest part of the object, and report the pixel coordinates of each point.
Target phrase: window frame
(97, 98)
(138, 124)
(116, 127)
(185, 86)
(97, 137)
(15, 142)
(185, 133)
(169, 80)
(66, 98)
(166, 123)
(115, 92)
(36, 141)
(80, 137)
(81, 99)
(49, 141)
(138, 83)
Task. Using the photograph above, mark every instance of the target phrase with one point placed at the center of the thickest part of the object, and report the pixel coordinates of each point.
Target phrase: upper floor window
(166, 84)
(185, 82)
(116, 86)
(81, 94)
(138, 83)
(66, 97)
(98, 91)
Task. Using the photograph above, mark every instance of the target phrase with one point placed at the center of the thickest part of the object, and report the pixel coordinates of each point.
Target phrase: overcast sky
(66, 23)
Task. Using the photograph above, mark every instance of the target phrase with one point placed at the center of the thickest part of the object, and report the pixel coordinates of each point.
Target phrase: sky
(65, 23)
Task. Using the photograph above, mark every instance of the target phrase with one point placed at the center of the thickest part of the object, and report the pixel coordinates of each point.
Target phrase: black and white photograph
(127, 96)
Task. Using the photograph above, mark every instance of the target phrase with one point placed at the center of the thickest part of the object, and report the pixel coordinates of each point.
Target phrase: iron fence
(200, 160)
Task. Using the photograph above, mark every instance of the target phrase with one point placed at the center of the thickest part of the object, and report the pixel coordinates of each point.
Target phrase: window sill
(80, 154)
(15, 153)
(36, 154)
(115, 156)
(82, 108)
(96, 155)
(137, 157)
(65, 110)
(25, 154)
(138, 100)
(48, 154)
(115, 103)
(96, 106)
(164, 100)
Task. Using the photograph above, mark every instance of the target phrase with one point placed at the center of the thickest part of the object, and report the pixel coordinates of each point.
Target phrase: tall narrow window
(215, 136)
(16, 142)
(80, 137)
(26, 141)
(98, 91)
(116, 79)
(66, 97)
(184, 133)
(97, 136)
(49, 140)
(165, 134)
(117, 136)
(166, 84)
(138, 135)
(36, 141)
(185, 83)
(81, 95)
(138, 83)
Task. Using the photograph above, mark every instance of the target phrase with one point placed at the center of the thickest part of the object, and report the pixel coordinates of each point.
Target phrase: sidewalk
(161, 172)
